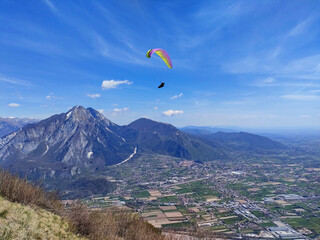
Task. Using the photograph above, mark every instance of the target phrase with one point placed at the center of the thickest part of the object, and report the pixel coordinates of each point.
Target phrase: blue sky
(235, 63)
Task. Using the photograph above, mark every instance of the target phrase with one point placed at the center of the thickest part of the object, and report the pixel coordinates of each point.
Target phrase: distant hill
(9, 125)
(198, 130)
(242, 141)
(165, 139)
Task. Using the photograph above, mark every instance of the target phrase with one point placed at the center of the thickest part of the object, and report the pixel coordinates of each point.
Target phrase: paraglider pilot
(161, 85)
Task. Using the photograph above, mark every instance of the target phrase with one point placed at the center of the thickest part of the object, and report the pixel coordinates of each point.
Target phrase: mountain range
(82, 141)
(205, 130)
(9, 125)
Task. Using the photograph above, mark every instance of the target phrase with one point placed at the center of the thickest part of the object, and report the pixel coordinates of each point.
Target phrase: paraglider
(164, 56)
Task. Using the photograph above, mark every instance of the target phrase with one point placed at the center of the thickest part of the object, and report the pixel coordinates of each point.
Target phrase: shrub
(111, 224)
(21, 191)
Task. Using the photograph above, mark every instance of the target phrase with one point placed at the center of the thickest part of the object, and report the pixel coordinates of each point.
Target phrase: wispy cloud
(127, 53)
(95, 95)
(264, 82)
(14, 105)
(302, 68)
(272, 82)
(51, 6)
(244, 116)
(315, 91)
(240, 102)
(301, 97)
(305, 116)
(170, 113)
(14, 81)
(299, 28)
(176, 96)
(108, 84)
(155, 108)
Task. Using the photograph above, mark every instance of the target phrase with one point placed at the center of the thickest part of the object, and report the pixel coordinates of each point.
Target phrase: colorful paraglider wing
(162, 53)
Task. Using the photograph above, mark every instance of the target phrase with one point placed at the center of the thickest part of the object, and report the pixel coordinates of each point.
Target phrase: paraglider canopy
(162, 53)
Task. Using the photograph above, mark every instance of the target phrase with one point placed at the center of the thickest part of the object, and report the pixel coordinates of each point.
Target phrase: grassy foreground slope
(28, 212)
(19, 221)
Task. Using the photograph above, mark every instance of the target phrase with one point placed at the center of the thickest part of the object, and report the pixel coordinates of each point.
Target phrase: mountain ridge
(12, 124)
(83, 141)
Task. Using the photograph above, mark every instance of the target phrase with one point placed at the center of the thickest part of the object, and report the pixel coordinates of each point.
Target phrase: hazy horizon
(267, 130)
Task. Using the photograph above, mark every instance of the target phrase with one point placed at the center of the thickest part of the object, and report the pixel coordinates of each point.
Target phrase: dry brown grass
(25, 222)
(111, 224)
(21, 191)
(108, 224)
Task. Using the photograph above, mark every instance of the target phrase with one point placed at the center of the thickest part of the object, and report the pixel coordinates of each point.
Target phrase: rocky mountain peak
(81, 116)
(81, 138)
(78, 113)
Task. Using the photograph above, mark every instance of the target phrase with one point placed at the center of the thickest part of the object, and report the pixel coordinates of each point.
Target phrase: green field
(268, 224)
(198, 190)
(177, 225)
(258, 214)
(231, 221)
(168, 199)
(312, 223)
(143, 194)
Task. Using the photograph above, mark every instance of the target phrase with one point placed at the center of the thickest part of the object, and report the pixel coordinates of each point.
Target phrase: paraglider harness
(161, 85)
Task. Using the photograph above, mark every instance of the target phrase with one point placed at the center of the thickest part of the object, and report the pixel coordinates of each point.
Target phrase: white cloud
(95, 95)
(305, 116)
(14, 105)
(117, 110)
(52, 96)
(100, 111)
(176, 96)
(170, 113)
(108, 84)
(301, 97)
(155, 108)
